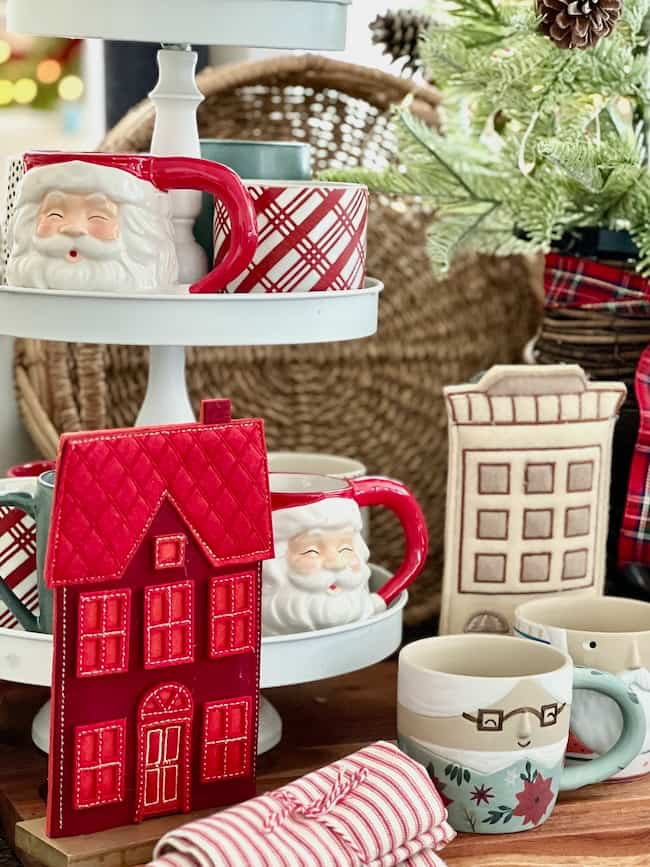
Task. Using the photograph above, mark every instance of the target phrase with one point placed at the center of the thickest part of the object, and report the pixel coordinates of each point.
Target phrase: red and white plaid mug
(100, 220)
(18, 546)
(312, 237)
(304, 504)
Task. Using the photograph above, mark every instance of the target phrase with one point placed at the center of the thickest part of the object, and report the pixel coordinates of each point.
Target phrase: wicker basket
(378, 400)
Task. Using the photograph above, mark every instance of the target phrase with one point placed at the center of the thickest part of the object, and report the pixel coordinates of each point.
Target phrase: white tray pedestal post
(176, 98)
(166, 400)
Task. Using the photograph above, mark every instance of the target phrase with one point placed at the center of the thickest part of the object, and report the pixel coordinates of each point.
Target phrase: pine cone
(578, 23)
(400, 33)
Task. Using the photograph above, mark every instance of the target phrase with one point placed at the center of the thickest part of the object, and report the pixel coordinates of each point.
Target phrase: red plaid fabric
(634, 537)
(589, 285)
(17, 560)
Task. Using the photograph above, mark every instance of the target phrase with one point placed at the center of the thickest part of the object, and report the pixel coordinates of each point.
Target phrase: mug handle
(183, 173)
(379, 491)
(25, 502)
(629, 744)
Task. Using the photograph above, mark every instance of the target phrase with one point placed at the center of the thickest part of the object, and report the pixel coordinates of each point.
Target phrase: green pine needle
(536, 139)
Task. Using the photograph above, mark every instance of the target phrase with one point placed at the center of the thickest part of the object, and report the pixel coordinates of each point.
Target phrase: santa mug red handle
(184, 173)
(289, 490)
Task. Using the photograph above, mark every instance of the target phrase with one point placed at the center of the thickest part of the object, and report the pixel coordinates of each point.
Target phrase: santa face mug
(102, 222)
(488, 716)
(604, 633)
(319, 576)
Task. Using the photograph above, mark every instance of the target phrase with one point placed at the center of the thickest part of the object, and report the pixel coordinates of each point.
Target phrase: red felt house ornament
(155, 552)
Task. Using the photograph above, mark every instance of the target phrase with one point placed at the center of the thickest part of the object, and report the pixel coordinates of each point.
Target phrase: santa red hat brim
(82, 178)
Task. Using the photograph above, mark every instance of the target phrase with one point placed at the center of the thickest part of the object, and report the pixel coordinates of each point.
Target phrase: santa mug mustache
(607, 634)
(102, 222)
(319, 576)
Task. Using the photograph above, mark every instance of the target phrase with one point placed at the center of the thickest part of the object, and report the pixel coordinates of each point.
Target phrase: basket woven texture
(379, 400)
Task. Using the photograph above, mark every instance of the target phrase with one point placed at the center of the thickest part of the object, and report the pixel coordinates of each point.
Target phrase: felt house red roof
(113, 484)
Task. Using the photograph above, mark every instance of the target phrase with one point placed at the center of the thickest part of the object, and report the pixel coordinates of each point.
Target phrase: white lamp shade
(309, 24)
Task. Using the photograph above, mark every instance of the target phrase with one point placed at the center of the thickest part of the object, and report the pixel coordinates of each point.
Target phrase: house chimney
(217, 411)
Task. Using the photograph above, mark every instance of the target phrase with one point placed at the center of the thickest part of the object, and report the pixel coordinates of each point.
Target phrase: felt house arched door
(164, 751)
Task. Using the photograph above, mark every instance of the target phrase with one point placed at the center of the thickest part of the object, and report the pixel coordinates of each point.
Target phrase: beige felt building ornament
(527, 491)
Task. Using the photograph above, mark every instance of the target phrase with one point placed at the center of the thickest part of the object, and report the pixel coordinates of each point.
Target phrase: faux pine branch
(538, 138)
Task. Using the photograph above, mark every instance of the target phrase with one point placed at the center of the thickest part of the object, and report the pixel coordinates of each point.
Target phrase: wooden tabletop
(600, 826)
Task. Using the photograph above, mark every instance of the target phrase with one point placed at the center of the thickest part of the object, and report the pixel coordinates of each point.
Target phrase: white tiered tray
(313, 24)
(177, 318)
(169, 322)
(26, 657)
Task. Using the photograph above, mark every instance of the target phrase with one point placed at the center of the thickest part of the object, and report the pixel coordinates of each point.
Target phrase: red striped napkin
(376, 807)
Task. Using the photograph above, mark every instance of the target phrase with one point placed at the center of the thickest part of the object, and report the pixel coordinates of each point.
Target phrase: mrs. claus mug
(488, 716)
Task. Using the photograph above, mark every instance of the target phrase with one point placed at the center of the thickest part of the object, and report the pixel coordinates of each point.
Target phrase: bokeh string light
(39, 72)
(49, 71)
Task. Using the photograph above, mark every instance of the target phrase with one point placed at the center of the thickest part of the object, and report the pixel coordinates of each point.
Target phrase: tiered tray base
(600, 826)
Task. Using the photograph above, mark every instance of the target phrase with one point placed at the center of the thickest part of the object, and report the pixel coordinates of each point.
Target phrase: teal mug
(254, 160)
(37, 503)
(488, 716)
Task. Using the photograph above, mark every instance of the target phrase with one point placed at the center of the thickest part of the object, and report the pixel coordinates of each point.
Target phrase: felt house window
(99, 764)
(103, 633)
(226, 739)
(232, 614)
(169, 551)
(169, 624)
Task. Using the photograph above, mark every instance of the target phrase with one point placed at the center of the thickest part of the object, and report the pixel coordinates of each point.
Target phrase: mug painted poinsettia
(488, 716)
(515, 798)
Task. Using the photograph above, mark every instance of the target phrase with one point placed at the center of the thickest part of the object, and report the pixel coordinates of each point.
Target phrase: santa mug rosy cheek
(102, 222)
(488, 716)
(319, 576)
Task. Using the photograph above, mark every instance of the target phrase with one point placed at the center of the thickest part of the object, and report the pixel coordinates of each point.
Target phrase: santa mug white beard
(102, 222)
(83, 263)
(319, 576)
(604, 633)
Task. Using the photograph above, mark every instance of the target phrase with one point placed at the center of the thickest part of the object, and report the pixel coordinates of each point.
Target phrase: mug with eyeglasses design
(488, 716)
(490, 720)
